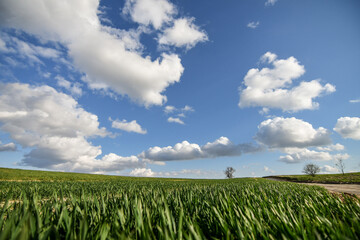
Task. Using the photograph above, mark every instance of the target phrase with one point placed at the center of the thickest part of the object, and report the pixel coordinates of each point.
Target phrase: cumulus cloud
(146, 172)
(302, 155)
(180, 113)
(132, 126)
(332, 147)
(221, 147)
(56, 129)
(150, 12)
(271, 87)
(184, 33)
(73, 88)
(253, 25)
(142, 172)
(109, 62)
(169, 109)
(329, 169)
(175, 120)
(298, 139)
(8, 147)
(291, 132)
(348, 127)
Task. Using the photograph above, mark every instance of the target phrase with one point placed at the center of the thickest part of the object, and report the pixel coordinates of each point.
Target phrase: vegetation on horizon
(353, 178)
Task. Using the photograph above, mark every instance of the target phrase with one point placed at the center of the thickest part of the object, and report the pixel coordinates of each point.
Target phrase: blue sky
(179, 88)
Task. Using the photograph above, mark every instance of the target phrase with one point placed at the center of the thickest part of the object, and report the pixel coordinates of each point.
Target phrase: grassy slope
(353, 178)
(60, 205)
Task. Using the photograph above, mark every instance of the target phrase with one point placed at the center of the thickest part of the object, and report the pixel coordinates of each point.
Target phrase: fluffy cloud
(348, 127)
(150, 12)
(184, 33)
(146, 172)
(73, 88)
(169, 109)
(57, 129)
(291, 133)
(132, 126)
(142, 172)
(109, 62)
(302, 155)
(329, 169)
(270, 87)
(332, 147)
(7, 147)
(221, 147)
(175, 120)
(180, 113)
(253, 25)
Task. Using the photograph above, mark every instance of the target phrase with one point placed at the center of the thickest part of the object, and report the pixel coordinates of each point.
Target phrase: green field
(51, 205)
(353, 178)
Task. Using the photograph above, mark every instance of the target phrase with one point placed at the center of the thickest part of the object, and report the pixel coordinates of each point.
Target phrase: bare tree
(311, 169)
(229, 172)
(340, 165)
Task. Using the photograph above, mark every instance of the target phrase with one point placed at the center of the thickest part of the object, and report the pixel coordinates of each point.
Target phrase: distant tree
(311, 169)
(229, 172)
(340, 165)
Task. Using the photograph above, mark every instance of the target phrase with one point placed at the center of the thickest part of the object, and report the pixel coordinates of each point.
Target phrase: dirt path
(340, 188)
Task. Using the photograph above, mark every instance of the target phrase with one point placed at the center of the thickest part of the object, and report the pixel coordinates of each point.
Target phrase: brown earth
(351, 189)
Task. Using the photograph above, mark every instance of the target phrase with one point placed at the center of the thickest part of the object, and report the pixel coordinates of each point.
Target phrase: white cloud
(142, 172)
(332, 147)
(187, 151)
(169, 109)
(187, 108)
(3, 47)
(175, 120)
(56, 129)
(291, 132)
(184, 33)
(107, 59)
(74, 88)
(32, 53)
(181, 113)
(270, 2)
(150, 12)
(329, 169)
(354, 100)
(147, 172)
(270, 87)
(302, 155)
(348, 127)
(253, 25)
(7, 147)
(132, 126)
(267, 169)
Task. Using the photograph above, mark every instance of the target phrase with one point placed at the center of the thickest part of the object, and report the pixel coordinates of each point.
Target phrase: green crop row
(136, 209)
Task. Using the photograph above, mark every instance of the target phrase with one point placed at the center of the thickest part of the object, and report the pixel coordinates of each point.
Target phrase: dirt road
(340, 188)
